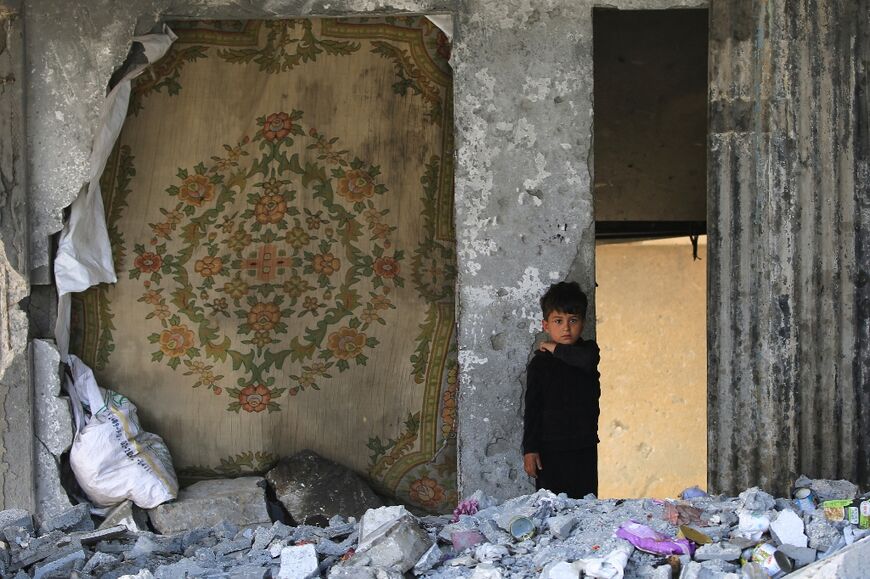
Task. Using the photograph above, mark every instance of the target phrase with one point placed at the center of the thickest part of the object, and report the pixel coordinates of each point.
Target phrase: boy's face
(563, 328)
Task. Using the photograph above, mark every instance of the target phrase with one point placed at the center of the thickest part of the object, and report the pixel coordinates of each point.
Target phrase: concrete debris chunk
(828, 490)
(183, 568)
(788, 529)
(91, 537)
(429, 559)
(486, 571)
(17, 518)
(77, 518)
(373, 519)
(298, 562)
(239, 502)
(560, 570)
(821, 534)
(97, 560)
(723, 551)
(342, 572)
(755, 500)
(148, 544)
(396, 546)
(61, 563)
(802, 556)
(309, 485)
(562, 525)
(488, 553)
(40, 548)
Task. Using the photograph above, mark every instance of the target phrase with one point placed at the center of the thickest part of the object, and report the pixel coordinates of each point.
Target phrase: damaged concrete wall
(16, 398)
(789, 234)
(523, 83)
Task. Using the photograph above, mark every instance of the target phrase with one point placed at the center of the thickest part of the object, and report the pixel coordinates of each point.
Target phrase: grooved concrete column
(16, 399)
(789, 229)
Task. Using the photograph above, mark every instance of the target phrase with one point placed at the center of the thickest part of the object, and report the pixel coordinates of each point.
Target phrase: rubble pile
(540, 535)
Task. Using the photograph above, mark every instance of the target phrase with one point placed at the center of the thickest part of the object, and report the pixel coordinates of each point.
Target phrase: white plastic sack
(112, 457)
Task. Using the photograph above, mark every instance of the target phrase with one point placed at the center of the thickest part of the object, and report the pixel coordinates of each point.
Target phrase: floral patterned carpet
(280, 204)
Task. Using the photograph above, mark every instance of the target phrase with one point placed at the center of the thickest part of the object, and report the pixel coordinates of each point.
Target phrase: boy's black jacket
(562, 392)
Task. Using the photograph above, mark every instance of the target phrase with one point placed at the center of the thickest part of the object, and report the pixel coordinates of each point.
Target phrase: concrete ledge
(848, 563)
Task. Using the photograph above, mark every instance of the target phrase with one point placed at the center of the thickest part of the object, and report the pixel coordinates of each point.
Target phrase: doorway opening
(650, 95)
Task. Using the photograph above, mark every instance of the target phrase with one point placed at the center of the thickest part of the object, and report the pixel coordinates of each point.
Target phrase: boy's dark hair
(564, 297)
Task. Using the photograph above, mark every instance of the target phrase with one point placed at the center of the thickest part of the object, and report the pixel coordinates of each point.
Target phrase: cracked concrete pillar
(16, 399)
(54, 428)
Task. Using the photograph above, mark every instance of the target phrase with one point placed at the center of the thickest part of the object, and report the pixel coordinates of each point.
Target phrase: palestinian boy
(560, 431)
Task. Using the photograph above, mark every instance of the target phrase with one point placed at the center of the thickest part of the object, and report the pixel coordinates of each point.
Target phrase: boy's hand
(532, 464)
(548, 346)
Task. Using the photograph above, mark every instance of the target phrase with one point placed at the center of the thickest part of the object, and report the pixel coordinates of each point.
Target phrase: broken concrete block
(247, 572)
(755, 500)
(40, 548)
(18, 518)
(91, 537)
(488, 553)
(53, 427)
(560, 570)
(308, 485)
(183, 568)
(148, 544)
(127, 514)
(374, 519)
(298, 562)
(723, 551)
(802, 556)
(828, 490)
(51, 497)
(240, 502)
(77, 518)
(715, 569)
(61, 563)
(263, 536)
(354, 572)
(820, 532)
(562, 525)
(398, 546)
(486, 571)
(98, 560)
(429, 559)
(788, 529)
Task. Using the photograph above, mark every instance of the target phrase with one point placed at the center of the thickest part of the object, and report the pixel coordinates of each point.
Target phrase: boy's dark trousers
(573, 472)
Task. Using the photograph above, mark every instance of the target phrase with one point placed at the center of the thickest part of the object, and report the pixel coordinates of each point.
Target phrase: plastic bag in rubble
(112, 457)
(651, 541)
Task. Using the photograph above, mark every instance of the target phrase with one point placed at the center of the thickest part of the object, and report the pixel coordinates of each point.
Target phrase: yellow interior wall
(651, 326)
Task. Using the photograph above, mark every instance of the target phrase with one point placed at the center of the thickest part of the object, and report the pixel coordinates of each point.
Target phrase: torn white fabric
(84, 253)
(444, 22)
